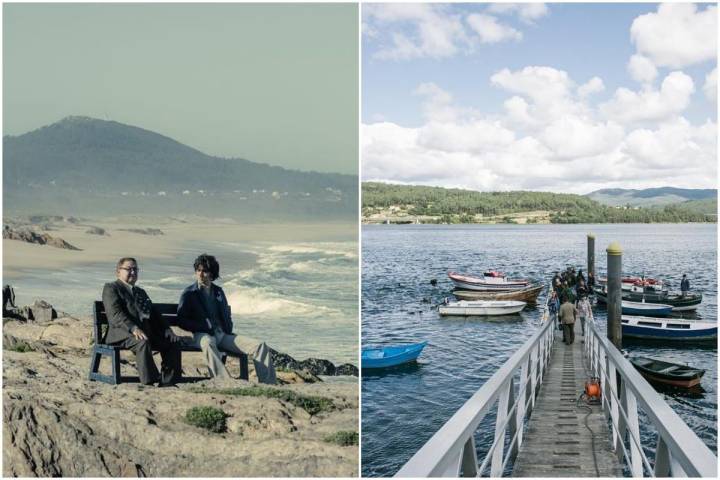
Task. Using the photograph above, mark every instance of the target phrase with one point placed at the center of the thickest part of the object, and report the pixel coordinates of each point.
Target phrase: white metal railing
(451, 451)
(678, 450)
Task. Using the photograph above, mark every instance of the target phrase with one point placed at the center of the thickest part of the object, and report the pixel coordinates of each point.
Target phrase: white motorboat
(490, 282)
(481, 307)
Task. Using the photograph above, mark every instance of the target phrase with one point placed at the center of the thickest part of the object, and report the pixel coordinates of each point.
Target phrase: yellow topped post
(614, 294)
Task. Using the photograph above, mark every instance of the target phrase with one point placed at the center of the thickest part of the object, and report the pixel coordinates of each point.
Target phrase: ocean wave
(258, 301)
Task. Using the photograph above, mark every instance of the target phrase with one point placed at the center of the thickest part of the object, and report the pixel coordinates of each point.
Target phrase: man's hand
(139, 334)
(170, 335)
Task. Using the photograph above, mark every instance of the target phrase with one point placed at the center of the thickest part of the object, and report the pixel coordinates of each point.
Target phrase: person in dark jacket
(134, 324)
(203, 309)
(684, 285)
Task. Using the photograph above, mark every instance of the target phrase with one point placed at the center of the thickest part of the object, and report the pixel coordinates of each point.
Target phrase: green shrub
(209, 418)
(343, 438)
(21, 347)
(311, 404)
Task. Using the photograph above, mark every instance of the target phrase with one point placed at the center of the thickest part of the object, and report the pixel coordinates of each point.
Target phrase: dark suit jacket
(123, 313)
(193, 315)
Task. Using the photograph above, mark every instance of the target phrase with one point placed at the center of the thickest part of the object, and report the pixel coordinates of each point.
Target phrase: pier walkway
(557, 441)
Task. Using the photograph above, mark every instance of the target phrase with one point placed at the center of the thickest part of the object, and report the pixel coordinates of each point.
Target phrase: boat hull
(391, 356)
(652, 309)
(481, 308)
(678, 302)
(670, 330)
(528, 295)
(667, 373)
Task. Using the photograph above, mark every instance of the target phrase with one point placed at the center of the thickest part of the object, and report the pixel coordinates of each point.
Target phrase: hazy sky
(275, 84)
(556, 97)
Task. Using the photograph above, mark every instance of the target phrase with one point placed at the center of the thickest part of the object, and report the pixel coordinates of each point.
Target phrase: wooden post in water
(614, 294)
(590, 254)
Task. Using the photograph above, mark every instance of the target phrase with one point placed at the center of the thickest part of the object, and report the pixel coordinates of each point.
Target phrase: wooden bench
(101, 349)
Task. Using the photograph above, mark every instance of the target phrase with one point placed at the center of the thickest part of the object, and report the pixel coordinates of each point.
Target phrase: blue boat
(389, 356)
(641, 308)
(672, 329)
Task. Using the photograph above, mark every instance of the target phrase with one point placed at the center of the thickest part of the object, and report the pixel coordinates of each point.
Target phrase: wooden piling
(591, 254)
(614, 294)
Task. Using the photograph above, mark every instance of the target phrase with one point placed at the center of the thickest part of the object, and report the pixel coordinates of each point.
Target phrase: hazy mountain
(650, 196)
(82, 165)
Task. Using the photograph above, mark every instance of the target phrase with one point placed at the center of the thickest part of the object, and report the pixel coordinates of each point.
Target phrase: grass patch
(311, 404)
(21, 347)
(209, 418)
(344, 438)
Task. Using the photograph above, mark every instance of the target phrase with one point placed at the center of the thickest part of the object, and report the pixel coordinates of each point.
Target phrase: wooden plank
(556, 442)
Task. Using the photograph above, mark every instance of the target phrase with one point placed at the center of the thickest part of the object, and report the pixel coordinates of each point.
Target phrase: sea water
(301, 298)
(402, 408)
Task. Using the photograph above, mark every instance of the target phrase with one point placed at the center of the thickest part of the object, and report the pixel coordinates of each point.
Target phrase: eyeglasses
(130, 269)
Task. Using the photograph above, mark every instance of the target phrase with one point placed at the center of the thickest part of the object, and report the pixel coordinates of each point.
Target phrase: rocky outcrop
(26, 235)
(314, 366)
(143, 231)
(93, 230)
(57, 423)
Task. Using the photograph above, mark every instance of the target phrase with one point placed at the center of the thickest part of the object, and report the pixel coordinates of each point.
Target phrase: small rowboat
(481, 307)
(528, 294)
(667, 373)
(679, 302)
(390, 356)
(668, 329)
(490, 282)
(626, 283)
(641, 308)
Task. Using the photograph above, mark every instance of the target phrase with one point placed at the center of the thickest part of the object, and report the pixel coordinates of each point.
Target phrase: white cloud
(594, 85)
(403, 31)
(526, 12)
(434, 32)
(542, 84)
(490, 31)
(641, 69)
(677, 35)
(710, 87)
(554, 146)
(650, 104)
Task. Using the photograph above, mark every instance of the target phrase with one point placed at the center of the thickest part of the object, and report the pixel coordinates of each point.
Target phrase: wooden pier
(557, 443)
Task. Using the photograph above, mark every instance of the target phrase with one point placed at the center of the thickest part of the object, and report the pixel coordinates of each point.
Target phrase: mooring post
(591, 254)
(614, 294)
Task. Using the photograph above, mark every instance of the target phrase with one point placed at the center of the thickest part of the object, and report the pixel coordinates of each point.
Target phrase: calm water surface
(403, 408)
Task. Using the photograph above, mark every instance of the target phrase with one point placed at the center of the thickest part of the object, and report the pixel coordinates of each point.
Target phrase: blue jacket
(193, 315)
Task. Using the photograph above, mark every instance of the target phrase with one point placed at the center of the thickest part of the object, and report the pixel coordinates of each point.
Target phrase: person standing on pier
(684, 285)
(568, 313)
(584, 312)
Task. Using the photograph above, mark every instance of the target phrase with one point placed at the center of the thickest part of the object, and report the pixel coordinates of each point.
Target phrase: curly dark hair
(210, 263)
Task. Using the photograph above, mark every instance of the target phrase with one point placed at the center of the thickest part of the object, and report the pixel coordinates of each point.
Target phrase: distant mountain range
(650, 197)
(86, 166)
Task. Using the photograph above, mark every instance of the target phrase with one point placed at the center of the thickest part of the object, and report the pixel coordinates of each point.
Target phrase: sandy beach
(177, 232)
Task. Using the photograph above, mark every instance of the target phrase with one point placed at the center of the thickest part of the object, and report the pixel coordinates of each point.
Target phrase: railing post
(602, 366)
(662, 458)
(502, 410)
(622, 428)
(630, 405)
(512, 425)
(533, 375)
(522, 399)
(468, 463)
(610, 385)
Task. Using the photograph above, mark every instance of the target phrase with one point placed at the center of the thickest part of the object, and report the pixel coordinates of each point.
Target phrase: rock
(57, 423)
(143, 231)
(347, 369)
(97, 231)
(318, 366)
(29, 236)
(42, 311)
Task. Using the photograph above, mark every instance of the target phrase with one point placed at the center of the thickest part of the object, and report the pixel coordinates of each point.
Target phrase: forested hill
(443, 205)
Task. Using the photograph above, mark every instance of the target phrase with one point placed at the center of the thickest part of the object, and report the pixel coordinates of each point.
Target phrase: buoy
(592, 389)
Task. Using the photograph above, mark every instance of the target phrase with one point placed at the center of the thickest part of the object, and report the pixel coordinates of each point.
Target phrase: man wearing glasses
(134, 325)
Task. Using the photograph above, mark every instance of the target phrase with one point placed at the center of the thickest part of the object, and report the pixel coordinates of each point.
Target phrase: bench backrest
(100, 323)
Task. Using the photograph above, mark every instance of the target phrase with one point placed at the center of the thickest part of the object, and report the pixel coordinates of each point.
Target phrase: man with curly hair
(203, 310)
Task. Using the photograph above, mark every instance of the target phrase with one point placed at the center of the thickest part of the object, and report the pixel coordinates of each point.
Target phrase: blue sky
(437, 77)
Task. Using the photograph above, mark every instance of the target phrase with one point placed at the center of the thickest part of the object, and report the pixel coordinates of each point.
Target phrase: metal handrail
(452, 448)
(678, 445)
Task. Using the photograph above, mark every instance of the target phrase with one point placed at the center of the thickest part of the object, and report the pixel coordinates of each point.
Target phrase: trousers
(212, 344)
(569, 333)
(147, 371)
